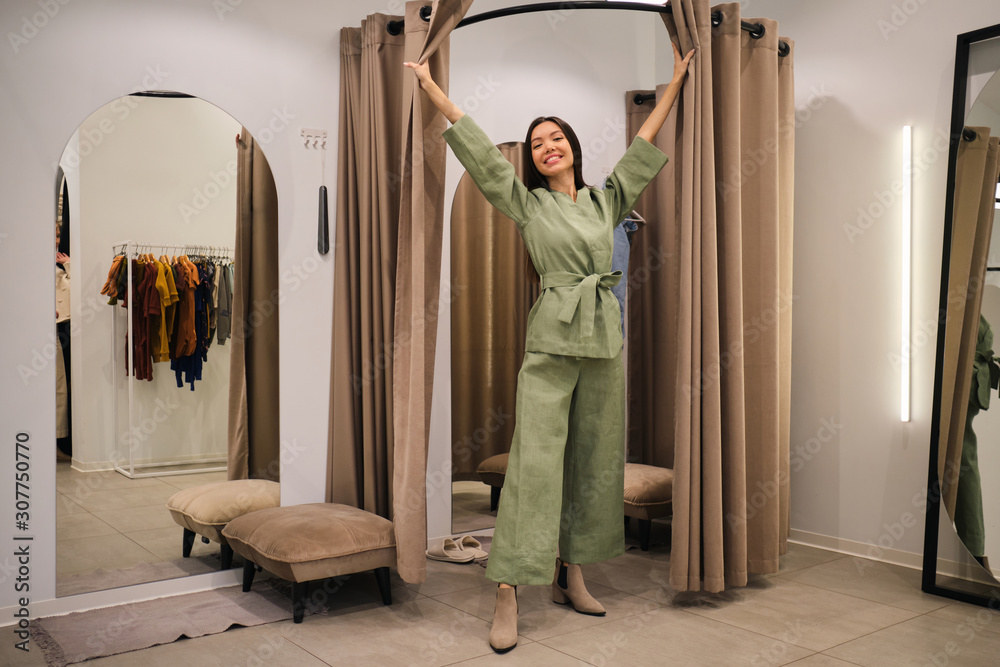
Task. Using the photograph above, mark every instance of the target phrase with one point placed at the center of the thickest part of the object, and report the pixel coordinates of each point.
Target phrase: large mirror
(489, 319)
(964, 428)
(149, 187)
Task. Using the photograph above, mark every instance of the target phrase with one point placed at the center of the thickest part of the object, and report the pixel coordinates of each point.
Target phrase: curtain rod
(756, 30)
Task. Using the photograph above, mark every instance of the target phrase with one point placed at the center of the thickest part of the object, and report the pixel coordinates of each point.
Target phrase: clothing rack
(131, 249)
(756, 30)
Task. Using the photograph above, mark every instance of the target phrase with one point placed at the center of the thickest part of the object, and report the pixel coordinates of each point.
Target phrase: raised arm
(659, 114)
(434, 92)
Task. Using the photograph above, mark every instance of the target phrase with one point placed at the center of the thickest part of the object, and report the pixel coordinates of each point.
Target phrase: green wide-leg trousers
(564, 487)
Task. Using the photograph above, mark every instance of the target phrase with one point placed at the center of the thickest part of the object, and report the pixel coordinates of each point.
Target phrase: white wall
(154, 171)
(274, 67)
(866, 69)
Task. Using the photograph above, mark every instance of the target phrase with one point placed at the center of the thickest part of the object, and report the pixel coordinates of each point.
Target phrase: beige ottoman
(492, 471)
(303, 543)
(649, 492)
(204, 510)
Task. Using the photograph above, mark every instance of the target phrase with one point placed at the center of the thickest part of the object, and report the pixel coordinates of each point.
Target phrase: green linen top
(985, 370)
(570, 243)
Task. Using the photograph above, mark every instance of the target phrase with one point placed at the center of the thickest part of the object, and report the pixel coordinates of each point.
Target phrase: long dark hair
(533, 179)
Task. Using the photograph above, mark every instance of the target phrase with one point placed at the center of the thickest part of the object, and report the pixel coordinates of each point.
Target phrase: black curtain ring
(425, 12)
(394, 27)
(758, 31)
(784, 49)
(717, 18)
(969, 134)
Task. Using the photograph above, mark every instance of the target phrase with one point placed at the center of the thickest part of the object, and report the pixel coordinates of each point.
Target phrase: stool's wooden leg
(382, 576)
(249, 570)
(644, 529)
(227, 556)
(299, 589)
(494, 498)
(187, 543)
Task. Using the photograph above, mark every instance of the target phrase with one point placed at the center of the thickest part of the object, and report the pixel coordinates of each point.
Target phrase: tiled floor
(821, 610)
(107, 522)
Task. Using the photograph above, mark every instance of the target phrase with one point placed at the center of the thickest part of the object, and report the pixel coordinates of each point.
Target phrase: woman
(564, 481)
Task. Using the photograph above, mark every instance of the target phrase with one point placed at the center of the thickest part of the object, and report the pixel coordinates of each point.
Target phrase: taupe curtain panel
(976, 176)
(710, 298)
(254, 436)
(492, 295)
(390, 196)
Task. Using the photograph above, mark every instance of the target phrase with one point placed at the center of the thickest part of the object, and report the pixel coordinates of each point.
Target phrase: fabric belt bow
(582, 296)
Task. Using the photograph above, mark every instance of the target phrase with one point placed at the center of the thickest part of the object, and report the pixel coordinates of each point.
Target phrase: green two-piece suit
(564, 482)
(969, 521)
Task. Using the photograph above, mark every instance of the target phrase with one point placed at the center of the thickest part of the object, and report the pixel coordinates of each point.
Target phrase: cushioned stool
(649, 492)
(206, 509)
(303, 543)
(492, 471)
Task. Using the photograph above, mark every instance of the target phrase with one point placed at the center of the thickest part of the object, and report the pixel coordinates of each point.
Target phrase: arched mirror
(154, 254)
(489, 318)
(963, 455)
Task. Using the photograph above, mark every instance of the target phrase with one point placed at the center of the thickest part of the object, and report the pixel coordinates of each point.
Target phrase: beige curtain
(254, 436)
(418, 279)
(976, 176)
(360, 458)
(712, 273)
(491, 298)
(390, 196)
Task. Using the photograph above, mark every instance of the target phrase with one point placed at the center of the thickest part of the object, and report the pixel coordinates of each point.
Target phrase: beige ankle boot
(503, 634)
(568, 587)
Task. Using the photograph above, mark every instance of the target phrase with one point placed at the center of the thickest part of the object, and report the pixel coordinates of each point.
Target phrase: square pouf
(303, 543)
(649, 494)
(492, 472)
(206, 509)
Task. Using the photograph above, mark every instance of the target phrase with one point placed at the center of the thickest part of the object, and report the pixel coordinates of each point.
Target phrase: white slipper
(449, 550)
(469, 544)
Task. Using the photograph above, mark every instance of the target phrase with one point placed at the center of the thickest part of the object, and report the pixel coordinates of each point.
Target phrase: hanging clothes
(173, 306)
(224, 323)
(110, 288)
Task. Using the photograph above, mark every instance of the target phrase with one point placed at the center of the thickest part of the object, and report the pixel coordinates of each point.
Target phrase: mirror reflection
(148, 209)
(968, 456)
(495, 287)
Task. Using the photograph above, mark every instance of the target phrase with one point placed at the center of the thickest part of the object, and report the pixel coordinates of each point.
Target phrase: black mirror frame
(989, 596)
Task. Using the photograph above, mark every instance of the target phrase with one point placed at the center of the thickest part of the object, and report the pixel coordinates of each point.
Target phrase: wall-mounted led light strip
(904, 393)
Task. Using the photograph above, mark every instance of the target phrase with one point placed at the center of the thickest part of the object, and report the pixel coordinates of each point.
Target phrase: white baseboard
(117, 596)
(949, 568)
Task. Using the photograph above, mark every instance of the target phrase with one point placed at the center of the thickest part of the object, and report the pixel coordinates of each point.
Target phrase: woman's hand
(655, 120)
(681, 64)
(423, 73)
(434, 92)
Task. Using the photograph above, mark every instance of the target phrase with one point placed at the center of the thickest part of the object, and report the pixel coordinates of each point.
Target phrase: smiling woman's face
(550, 149)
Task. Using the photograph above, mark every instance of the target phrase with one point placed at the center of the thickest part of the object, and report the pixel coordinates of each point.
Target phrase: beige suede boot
(568, 588)
(503, 634)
